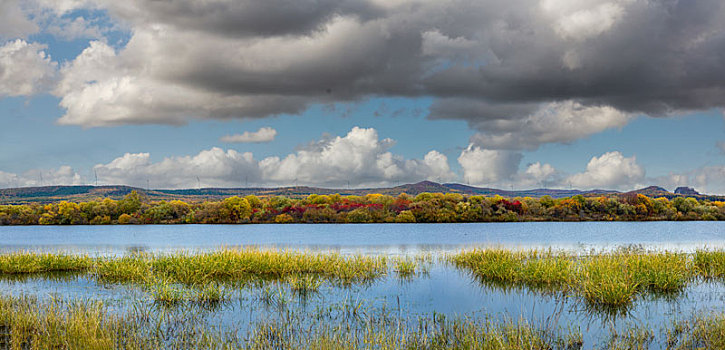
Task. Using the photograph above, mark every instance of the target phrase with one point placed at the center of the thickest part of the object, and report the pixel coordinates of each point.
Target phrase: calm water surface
(373, 238)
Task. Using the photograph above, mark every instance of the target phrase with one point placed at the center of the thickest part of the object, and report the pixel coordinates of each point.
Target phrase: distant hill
(47, 194)
(554, 193)
(653, 192)
(686, 191)
(656, 191)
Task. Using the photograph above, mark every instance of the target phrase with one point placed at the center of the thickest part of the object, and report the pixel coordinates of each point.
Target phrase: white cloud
(581, 20)
(557, 70)
(64, 175)
(488, 167)
(556, 122)
(611, 170)
(62, 7)
(25, 68)
(262, 135)
(13, 21)
(540, 171)
(359, 157)
(74, 28)
(539, 175)
(213, 167)
(706, 180)
(104, 88)
(709, 179)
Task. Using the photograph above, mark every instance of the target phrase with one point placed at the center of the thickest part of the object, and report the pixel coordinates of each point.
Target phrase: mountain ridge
(47, 194)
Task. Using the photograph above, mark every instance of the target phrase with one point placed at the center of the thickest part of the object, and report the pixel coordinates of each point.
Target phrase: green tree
(405, 216)
(238, 209)
(130, 204)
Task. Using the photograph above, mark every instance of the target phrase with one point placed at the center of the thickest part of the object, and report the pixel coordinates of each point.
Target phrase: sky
(587, 94)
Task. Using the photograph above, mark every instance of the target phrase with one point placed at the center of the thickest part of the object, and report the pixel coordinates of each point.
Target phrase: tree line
(372, 208)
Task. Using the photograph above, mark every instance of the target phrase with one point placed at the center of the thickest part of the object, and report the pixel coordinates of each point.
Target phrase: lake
(443, 289)
(367, 238)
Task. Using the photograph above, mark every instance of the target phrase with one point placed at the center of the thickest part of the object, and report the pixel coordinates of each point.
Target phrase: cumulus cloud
(213, 167)
(708, 179)
(74, 28)
(262, 135)
(555, 122)
(64, 175)
(581, 20)
(539, 175)
(501, 169)
(611, 170)
(13, 21)
(359, 158)
(486, 167)
(593, 59)
(25, 68)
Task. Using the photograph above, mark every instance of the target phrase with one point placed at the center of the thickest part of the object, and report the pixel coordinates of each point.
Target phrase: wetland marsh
(457, 291)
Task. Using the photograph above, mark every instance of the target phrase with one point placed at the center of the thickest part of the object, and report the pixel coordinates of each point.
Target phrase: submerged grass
(705, 331)
(26, 323)
(92, 325)
(303, 284)
(166, 293)
(382, 332)
(169, 293)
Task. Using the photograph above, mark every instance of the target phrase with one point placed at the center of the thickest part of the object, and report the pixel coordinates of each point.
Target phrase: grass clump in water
(506, 267)
(199, 269)
(604, 280)
(27, 262)
(244, 264)
(615, 279)
(405, 267)
(607, 279)
(710, 264)
(135, 268)
(58, 325)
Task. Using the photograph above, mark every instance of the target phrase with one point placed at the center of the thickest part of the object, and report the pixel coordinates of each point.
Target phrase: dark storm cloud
(519, 62)
(246, 17)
